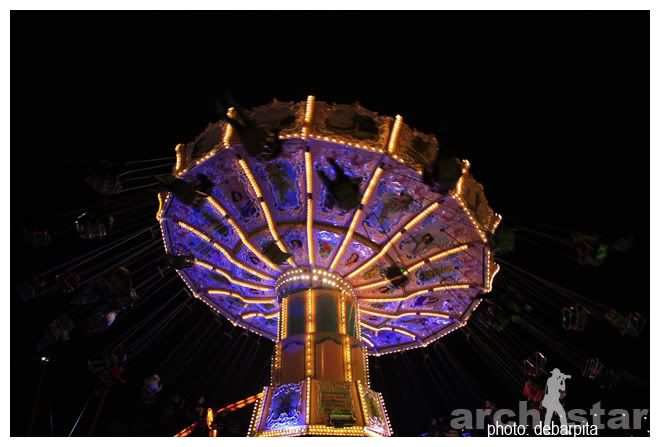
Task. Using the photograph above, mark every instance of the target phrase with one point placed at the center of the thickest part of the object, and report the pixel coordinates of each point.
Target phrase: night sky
(551, 109)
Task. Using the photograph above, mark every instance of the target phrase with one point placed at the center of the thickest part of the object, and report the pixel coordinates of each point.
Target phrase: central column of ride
(319, 381)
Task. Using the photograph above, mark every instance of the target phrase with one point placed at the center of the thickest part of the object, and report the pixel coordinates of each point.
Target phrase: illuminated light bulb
(179, 158)
(394, 135)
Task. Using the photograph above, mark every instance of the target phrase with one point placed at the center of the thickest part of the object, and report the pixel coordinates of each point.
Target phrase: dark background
(551, 109)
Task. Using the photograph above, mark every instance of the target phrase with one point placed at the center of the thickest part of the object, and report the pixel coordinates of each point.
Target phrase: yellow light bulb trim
(161, 206)
(415, 294)
(356, 218)
(258, 253)
(309, 113)
(470, 216)
(259, 314)
(178, 151)
(240, 297)
(389, 328)
(230, 278)
(429, 313)
(407, 228)
(416, 266)
(309, 184)
(368, 341)
(284, 309)
(229, 130)
(223, 250)
(492, 277)
(394, 135)
(264, 207)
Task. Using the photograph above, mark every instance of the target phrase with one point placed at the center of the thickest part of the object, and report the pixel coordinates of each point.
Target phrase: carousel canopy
(416, 259)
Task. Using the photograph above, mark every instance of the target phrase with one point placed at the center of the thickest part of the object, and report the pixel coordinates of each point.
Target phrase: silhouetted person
(99, 320)
(88, 323)
(115, 285)
(57, 330)
(110, 366)
(187, 192)
(204, 184)
(344, 190)
(150, 389)
(553, 390)
(104, 178)
(179, 262)
(254, 139)
(443, 174)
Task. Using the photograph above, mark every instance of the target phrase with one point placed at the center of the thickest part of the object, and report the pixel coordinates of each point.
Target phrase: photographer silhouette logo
(555, 385)
(528, 420)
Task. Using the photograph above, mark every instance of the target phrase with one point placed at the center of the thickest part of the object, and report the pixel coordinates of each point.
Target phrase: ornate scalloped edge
(406, 153)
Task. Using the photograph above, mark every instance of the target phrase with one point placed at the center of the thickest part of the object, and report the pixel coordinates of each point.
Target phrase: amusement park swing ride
(334, 245)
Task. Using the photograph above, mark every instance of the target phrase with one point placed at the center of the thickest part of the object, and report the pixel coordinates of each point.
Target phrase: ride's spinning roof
(440, 241)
